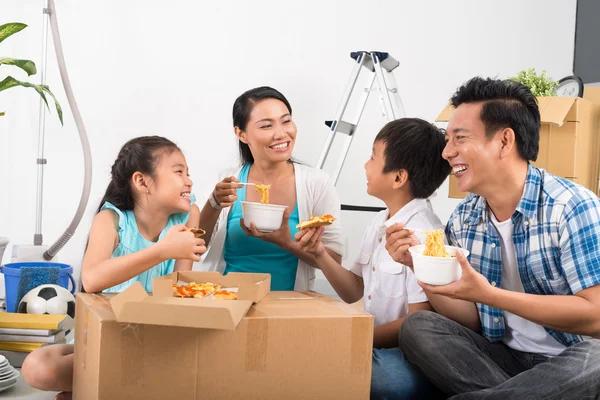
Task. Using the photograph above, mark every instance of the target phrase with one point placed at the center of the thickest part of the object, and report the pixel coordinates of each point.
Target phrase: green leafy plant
(540, 85)
(28, 66)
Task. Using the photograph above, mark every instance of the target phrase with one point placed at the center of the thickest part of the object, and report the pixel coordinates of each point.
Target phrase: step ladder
(373, 66)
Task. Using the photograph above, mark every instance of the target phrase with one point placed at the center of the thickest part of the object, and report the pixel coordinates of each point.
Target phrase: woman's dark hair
(140, 154)
(416, 146)
(506, 104)
(242, 108)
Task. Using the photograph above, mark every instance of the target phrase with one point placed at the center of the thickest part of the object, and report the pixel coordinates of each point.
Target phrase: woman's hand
(180, 244)
(225, 193)
(281, 237)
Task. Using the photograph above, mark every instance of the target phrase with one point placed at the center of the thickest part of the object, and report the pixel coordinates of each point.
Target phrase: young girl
(138, 234)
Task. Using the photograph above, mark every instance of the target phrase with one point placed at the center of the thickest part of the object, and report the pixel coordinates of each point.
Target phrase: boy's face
(379, 184)
(171, 186)
(472, 155)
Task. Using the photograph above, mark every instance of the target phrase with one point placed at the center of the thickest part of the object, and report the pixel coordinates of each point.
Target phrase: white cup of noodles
(265, 217)
(436, 270)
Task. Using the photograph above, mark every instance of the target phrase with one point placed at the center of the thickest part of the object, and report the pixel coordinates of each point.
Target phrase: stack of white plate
(8, 375)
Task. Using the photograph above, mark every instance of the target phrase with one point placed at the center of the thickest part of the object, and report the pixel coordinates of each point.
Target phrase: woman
(262, 119)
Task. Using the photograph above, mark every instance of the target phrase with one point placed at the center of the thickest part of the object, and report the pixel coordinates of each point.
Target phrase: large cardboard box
(569, 143)
(290, 345)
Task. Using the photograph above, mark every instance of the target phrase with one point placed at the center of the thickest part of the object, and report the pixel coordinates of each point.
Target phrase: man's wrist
(489, 296)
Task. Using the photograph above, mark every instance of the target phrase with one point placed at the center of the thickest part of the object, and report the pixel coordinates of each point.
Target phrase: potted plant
(540, 85)
(28, 66)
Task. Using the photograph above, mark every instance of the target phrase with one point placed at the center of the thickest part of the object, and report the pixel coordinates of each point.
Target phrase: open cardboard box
(569, 144)
(290, 345)
(134, 305)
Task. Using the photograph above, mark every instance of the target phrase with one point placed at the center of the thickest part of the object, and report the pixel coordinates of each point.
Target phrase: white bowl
(436, 270)
(265, 217)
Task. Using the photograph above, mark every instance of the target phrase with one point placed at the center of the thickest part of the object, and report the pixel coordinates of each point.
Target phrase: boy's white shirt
(315, 195)
(390, 286)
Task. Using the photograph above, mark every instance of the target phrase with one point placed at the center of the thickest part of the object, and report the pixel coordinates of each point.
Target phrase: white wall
(174, 68)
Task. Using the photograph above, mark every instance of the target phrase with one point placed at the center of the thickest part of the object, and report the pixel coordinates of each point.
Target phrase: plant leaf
(56, 104)
(26, 65)
(540, 85)
(10, 82)
(1, 113)
(9, 29)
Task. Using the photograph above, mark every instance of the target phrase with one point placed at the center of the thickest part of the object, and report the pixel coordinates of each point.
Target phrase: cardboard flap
(445, 114)
(134, 293)
(189, 313)
(553, 110)
(251, 286)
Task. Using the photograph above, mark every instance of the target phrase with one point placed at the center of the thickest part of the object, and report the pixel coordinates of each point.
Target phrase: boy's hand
(309, 241)
(397, 241)
(180, 244)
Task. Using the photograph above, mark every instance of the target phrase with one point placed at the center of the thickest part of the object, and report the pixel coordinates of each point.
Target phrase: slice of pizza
(197, 232)
(207, 288)
(183, 291)
(315, 222)
(195, 290)
(226, 294)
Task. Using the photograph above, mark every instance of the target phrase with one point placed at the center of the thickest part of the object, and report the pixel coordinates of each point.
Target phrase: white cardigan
(315, 195)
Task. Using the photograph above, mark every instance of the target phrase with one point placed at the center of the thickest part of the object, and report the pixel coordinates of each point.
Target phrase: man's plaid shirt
(556, 236)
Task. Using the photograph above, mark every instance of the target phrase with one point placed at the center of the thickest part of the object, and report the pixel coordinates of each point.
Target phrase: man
(513, 325)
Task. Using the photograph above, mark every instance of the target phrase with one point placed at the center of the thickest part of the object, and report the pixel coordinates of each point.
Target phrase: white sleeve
(367, 246)
(416, 294)
(363, 258)
(328, 202)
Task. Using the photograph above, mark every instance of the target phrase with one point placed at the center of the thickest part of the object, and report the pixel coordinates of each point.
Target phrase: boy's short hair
(416, 146)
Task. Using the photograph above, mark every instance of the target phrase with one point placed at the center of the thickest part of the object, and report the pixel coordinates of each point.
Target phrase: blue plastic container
(12, 273)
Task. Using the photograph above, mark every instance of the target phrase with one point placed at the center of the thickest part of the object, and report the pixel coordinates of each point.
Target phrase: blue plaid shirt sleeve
(580, 242)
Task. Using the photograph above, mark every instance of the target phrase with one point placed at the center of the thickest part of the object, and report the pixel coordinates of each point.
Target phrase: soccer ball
(48, 299)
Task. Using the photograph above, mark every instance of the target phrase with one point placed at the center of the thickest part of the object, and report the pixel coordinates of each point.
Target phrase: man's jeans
(466, 365)
(395, 378)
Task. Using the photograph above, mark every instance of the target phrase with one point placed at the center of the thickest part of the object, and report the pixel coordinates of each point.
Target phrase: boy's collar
(406, 212)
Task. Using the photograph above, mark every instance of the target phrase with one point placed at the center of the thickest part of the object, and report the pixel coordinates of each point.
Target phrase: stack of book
(20, 334)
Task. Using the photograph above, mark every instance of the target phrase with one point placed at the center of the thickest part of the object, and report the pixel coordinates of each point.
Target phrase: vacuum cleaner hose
(87, 154)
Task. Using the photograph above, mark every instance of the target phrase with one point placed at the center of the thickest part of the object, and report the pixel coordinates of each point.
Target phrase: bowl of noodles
(434, 262)
(265, 217)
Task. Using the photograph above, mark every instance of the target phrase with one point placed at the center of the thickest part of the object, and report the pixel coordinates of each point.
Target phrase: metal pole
(41, 161)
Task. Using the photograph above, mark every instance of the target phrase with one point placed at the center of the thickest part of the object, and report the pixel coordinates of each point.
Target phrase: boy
(405, 168)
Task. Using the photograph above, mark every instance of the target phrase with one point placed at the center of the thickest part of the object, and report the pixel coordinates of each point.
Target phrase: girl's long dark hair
(137, 155)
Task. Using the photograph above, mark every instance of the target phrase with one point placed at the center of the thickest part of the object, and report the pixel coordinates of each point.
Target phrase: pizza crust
(315, 222)
(225, 295)
(198, 232)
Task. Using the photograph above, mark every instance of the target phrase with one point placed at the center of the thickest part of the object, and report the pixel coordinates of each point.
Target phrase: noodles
(264, 193)
(434, 244)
